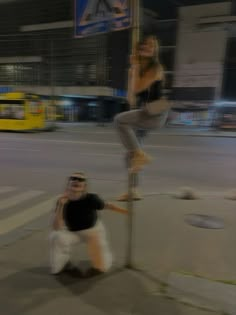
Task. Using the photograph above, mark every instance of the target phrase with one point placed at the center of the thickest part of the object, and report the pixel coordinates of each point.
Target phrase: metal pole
(52, 83)
(135, 11)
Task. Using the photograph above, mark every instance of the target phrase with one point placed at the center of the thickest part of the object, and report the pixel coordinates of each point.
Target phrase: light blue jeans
(132, 127)
(128, 122)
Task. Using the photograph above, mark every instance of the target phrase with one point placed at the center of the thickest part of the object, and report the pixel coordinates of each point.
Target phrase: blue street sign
(101, 16)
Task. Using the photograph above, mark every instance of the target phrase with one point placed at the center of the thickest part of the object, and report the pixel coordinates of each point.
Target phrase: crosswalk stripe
(14, 200)
(28, 215)
(6, 189)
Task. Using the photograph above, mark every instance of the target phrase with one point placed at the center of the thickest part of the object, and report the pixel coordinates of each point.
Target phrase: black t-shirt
(81, 214)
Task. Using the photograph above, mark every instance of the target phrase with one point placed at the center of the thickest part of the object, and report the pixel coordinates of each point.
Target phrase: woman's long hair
(153, 60)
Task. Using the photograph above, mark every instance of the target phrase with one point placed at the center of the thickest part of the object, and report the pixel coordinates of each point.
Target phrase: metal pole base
(129, 266)
(130, 220)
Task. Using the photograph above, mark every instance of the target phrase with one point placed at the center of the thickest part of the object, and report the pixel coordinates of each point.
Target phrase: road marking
(26, 216)
(169, 147)
(63, 141)
(19, 149)
(6, 189)
(103, 132)
(101, 154)
(12, 201)
(114, 133)
(96, 143)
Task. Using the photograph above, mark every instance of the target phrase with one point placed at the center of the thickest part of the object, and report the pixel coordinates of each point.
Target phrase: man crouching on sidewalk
(75, 219)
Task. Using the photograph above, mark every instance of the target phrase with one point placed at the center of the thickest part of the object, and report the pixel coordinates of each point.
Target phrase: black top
(151, 94)
(81, 214)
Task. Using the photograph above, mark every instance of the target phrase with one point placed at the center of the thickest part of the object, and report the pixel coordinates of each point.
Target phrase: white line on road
(19, 149)
(6, 189)
(26, 216)
(103, 132)
(169, 147)
(101, 154)
(92, 143)
(62, 141)
(12, 201)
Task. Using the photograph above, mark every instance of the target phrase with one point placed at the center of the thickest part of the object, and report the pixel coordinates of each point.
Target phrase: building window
(92, 73)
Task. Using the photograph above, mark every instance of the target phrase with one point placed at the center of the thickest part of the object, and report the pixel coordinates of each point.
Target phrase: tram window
(35, 107)
(10, 109)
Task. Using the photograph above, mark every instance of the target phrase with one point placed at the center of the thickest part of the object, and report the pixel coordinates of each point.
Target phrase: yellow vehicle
(21, 111)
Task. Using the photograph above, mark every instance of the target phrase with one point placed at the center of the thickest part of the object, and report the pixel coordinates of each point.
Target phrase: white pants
(62, 240)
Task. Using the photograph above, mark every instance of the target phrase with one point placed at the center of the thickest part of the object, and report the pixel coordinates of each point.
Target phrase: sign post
(135, 9)
(93, 17)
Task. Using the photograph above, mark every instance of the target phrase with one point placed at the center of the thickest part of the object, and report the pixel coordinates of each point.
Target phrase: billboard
(101, 16)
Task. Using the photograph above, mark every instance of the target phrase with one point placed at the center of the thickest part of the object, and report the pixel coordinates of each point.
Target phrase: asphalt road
(42, 161)
(34, 168)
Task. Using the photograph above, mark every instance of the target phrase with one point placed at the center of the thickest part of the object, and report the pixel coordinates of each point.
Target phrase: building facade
(40, 54)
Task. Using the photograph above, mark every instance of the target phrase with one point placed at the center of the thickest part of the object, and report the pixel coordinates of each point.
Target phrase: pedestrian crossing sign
(101, 16)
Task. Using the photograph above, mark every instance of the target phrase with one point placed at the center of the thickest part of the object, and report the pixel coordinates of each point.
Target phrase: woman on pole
(146, 80)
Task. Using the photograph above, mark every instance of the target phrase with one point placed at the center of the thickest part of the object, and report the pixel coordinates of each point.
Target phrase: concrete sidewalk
(163, 243)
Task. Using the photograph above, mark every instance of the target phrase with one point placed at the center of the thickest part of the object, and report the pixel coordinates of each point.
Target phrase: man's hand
(63, 200)
(58, 221)
(115, 208)
(64, 197)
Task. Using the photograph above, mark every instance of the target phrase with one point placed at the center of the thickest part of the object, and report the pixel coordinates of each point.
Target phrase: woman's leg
(60, 249)
(126, 123)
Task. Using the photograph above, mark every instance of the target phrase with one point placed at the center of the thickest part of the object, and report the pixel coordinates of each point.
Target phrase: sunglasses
(75, 178)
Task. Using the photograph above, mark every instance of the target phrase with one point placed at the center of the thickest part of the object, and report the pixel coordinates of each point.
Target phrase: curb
(214, 295)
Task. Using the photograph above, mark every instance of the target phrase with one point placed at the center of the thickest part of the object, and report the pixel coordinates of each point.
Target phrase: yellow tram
(21, 111)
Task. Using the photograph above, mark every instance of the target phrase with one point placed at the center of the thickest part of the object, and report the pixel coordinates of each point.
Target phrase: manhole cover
(205, 221)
